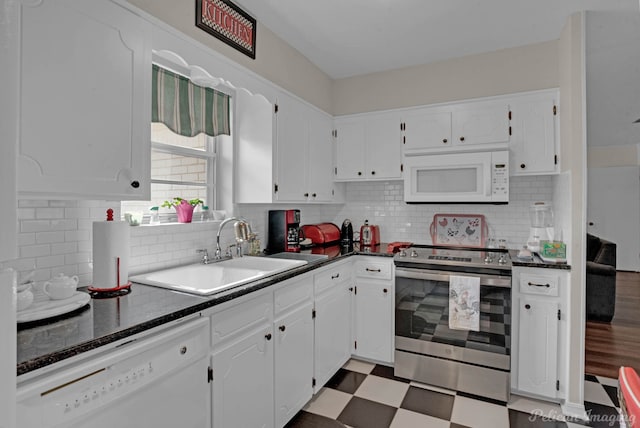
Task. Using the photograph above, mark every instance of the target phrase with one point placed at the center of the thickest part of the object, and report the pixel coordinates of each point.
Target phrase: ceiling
(352, 37)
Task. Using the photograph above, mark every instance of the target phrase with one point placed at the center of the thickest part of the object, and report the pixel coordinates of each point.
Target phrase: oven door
(422, 319)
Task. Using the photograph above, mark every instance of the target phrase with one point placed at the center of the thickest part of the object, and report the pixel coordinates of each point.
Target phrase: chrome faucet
(241, 227)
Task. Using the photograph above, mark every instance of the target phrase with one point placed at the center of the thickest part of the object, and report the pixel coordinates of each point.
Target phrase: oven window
(422, 313)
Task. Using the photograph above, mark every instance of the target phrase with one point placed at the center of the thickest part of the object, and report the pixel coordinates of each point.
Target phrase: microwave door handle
(487, 178)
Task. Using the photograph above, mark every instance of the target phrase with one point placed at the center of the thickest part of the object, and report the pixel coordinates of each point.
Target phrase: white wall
(613, 104)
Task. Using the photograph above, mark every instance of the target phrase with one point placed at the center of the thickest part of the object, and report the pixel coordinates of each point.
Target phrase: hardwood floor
(611, 345)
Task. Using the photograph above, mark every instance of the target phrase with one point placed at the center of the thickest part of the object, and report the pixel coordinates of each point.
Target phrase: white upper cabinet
(85, 101)
(534, 143)
(455, 126)
(368, 147)
(284, 151)
(426, 128)
(305, 153)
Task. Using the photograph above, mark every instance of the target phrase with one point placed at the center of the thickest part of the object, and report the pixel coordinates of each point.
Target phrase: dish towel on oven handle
(464, 302)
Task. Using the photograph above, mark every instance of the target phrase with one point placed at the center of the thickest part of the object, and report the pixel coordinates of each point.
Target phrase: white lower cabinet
(539, 327)
(242, 363)
(332, 348)
(373, 307)
(293, 331)
(263, 365)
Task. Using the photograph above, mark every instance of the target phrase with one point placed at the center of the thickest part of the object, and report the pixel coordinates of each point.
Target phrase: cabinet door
(293, 363)
(538, 354)
(426, 128)
(243, 376)
(292, 135)
(373, 320)
(480, 123)
(382, 146)
(332, 332)
(533, 141)
(320, 158)
(85, 101)
(350, 143)
(254, 149)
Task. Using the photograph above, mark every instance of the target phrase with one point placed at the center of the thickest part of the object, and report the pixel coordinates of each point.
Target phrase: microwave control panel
(500, 176)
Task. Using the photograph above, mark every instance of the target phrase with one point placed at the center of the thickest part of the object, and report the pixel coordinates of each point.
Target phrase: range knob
(402, 253)
(414, 253)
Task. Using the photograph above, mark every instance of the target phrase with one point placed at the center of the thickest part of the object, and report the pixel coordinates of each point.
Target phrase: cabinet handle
(282, 328)
(372, 270)
(267, 336)
(538, 285)
(183, 350)
(527, 306)
(373, 173)
(135, 184)
(306, 195)
(461, 138)
(335, 276)
(445, 141)
(385, 291)
(359, 172)
(523, 166)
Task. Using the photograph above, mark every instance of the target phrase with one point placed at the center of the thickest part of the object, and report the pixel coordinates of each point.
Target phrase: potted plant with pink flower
(184, 208)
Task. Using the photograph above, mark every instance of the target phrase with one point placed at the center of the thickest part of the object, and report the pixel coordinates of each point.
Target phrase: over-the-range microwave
(469, 177)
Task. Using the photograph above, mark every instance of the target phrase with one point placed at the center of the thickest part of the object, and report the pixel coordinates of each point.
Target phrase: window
(189, 121)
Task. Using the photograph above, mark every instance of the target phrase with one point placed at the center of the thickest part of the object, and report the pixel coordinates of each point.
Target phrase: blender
(541, 216)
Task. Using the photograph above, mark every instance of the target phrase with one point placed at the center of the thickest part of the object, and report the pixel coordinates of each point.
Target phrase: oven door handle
(434, 275)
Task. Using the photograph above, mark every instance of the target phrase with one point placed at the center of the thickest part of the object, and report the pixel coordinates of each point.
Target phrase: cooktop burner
(459, 257)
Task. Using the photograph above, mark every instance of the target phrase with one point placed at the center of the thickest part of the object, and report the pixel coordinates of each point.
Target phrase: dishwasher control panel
(129, 371)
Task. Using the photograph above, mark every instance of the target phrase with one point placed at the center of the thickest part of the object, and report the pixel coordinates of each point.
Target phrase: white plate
(47, 308)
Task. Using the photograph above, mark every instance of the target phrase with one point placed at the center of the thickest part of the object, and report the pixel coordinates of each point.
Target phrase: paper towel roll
(110, 254)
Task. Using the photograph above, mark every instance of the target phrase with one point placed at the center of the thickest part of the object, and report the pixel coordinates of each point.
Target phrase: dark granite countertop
(536, 262)
(146, 307)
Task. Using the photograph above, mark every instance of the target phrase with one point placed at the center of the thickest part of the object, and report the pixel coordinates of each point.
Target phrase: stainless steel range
(474, 358)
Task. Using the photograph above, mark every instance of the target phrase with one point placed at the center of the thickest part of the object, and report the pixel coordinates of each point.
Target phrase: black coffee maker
(346, 233)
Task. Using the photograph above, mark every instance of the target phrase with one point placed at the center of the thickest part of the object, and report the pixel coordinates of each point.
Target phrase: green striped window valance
(188, 109)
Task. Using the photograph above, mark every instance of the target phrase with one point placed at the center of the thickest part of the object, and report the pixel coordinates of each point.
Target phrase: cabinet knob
(359, 172)
(373, 173)
(267, 336)
(314, 195)
(135, 184)
(527, 306)
(350, 288)
(183, 350)
(523, 166)
(385, 291)
(445, 141)
(282, 328)
(461, 138)
(306, 195)
(335, 276)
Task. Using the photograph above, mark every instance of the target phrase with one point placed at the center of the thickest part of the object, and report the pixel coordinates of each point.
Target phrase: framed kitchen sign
(229, 23)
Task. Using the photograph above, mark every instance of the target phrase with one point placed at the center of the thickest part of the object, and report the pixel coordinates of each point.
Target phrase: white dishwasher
(156, 381)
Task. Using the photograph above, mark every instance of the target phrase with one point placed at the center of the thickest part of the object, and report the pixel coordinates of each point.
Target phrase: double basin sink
(219, 276)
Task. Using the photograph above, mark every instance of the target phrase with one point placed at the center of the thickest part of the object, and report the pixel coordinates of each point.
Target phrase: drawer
(242, 317)
(332, 276)
(545, 285)
(379, 269)
(293, 294)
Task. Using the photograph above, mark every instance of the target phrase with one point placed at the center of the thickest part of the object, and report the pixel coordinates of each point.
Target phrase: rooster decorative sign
(229, 23)
(468, 230)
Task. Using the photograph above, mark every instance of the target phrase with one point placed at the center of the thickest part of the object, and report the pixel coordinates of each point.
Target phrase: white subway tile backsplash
(55, 236)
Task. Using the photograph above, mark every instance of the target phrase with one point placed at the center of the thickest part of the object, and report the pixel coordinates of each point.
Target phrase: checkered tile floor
(364, 395)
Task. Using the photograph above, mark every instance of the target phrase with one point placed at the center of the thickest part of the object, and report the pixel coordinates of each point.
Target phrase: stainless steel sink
(208, 279)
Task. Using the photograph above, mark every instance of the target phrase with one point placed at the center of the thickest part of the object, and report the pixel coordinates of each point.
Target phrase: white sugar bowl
(61, 287)
(24, 296)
